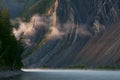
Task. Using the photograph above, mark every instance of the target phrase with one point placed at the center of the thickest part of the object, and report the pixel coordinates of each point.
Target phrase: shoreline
(47, 69)
(7, 74)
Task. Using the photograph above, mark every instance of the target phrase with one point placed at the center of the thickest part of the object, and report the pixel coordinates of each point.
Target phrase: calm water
(67, 75)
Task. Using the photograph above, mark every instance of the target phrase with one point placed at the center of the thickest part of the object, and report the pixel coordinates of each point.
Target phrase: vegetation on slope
(1, 3)
(81, 66)
(9, 46)
(41, 7)
(108, 67)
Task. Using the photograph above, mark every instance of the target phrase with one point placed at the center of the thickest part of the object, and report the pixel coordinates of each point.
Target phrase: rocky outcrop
(106, 12)
(79, 21)
(102, 52)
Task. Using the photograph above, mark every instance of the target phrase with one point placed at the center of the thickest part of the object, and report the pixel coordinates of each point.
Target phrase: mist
(41, 26)
(81, 30)
(55, 33)
(28, 30)
(33, 29)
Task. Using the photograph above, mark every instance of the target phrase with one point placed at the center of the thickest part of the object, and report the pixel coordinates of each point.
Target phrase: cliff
(73, 25)
(103, 51)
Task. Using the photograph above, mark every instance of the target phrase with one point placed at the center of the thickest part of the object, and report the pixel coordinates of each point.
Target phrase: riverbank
(5, 74)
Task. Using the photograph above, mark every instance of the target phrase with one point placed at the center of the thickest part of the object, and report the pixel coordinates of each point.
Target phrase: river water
(67, 75)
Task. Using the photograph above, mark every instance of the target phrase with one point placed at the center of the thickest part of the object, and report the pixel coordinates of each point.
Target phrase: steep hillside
(71, 23)
(102, 52)
(9, 46)
(1, 3)
(14, 6)
(37, 7)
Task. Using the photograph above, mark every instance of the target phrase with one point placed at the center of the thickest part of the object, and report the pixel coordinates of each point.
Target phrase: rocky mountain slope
(103, 51)
(63, 33)
(71, 26)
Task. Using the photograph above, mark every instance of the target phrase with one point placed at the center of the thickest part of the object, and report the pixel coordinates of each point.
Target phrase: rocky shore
(5, 74)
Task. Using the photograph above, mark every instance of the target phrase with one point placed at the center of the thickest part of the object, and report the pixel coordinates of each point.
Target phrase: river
(67, 75)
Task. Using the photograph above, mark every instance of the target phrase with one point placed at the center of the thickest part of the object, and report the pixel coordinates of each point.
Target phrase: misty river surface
(67, 75)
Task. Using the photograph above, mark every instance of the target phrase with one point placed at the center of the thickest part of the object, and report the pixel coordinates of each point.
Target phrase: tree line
(10, 48)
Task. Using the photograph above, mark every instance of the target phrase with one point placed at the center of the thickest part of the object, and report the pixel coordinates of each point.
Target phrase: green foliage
(1, 3)
(44, 67)
(98, 67)
(77, 67)
(9, 45)
(39, 6)
(108, 67)
(0, 45)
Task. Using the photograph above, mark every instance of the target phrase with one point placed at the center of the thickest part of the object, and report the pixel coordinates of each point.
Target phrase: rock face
(73, 23)
(102, 52)
(106, 12)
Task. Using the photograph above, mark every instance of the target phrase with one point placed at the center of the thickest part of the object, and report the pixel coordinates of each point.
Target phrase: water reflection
(68, 75)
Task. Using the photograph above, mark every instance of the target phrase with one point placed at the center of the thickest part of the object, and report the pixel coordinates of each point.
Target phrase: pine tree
(10, 46)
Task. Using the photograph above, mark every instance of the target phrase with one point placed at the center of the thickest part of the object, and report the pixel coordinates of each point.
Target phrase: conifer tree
(9, 51)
